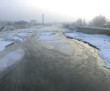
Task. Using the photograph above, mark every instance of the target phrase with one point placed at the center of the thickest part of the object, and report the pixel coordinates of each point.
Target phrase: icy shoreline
(102, 42)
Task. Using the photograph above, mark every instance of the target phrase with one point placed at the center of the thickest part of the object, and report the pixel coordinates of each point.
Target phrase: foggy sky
(54, 10)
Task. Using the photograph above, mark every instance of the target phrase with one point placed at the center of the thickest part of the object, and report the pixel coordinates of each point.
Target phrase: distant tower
(42, 19)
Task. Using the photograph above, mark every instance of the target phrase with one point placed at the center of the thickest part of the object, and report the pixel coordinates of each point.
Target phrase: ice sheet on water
(47, 36)
(3, 44)
(11, 59)
(17, 39)
(13, 38)
(23, 34)
(102, 42)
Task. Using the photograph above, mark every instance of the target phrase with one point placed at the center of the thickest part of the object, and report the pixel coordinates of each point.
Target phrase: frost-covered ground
(102, 42)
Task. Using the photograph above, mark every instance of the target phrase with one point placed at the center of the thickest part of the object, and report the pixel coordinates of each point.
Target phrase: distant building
(22, 24)
(33, 22)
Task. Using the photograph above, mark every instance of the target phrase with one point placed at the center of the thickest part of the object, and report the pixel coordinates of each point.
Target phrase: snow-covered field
(102, 42)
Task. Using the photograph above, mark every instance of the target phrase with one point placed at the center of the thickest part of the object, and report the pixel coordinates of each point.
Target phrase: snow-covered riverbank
(102, 42)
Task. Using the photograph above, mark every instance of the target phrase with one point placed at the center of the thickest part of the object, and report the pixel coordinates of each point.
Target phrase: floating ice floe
(102, 42)
(47, 36)
(3, 44)
(17, 39)
(16, 36)
(13, 38)
(23, 35)
(11, 59)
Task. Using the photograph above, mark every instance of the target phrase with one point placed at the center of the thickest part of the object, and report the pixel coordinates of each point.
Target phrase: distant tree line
(98, 21)
(79, 22)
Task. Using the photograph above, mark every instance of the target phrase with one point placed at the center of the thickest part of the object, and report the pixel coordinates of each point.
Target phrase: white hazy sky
(54, 10)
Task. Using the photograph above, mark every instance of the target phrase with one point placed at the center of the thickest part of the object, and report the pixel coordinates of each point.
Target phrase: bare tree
(80, 22)
(98, 21)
